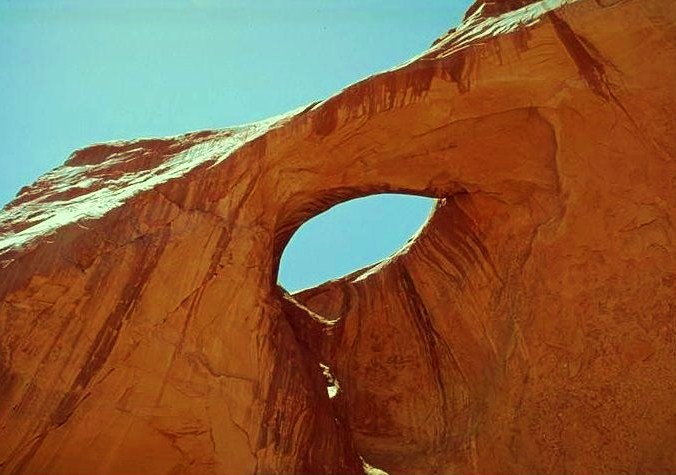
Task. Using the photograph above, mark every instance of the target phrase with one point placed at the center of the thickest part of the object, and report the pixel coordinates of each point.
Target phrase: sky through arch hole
(350, 236)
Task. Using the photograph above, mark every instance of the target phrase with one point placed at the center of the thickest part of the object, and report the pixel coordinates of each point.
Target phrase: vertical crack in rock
(371, 470)
(332, 384)
(298, 402)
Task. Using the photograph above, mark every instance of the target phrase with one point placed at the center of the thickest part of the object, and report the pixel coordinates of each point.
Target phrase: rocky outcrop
(528, 328)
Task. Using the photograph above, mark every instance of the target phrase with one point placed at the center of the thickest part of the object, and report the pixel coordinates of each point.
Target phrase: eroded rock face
(530, 327)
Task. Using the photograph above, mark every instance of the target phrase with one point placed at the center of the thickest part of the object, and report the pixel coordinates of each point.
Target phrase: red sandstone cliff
(529, 328)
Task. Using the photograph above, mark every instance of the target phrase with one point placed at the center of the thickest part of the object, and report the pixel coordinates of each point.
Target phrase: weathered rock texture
(529, 328)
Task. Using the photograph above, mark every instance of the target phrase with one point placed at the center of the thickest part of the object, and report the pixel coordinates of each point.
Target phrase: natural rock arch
(149, 328)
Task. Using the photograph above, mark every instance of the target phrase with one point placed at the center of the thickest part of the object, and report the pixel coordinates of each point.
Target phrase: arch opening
(350, 236)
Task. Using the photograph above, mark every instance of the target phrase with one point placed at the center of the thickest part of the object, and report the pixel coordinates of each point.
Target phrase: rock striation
(530, 327)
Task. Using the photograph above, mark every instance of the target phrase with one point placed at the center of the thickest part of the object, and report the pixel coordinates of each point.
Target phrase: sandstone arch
(141, 320)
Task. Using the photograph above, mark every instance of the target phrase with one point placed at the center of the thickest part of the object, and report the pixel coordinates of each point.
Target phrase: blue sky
(75, 72)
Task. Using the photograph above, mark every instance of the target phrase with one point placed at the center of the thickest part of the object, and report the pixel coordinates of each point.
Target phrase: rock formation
(529, 328)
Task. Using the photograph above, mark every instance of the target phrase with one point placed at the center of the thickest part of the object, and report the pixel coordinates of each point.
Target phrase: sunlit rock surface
(529, 328)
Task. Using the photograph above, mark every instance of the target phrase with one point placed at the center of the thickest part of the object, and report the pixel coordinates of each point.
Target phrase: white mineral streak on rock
(43, 214)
